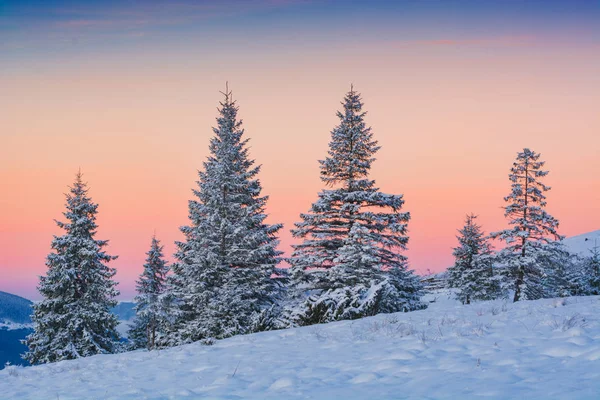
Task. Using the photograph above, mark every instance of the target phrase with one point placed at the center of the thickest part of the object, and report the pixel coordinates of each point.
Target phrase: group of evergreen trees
(348, 264)
(534, 263)
(226, 278)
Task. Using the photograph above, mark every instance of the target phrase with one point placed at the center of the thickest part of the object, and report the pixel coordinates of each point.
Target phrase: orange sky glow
(450, 115)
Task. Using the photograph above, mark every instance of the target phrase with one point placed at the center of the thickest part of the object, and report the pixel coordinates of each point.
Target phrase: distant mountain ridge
(14, 309)
(17, 310)
(16, 324)
(124, 310)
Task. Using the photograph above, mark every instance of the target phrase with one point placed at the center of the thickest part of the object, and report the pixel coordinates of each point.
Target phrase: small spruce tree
(592, 270)
(73, 319)
(151, 319)
(472, 273)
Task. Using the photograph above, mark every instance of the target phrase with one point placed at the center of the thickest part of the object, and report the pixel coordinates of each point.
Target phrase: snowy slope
(582, 244)
(539, 349)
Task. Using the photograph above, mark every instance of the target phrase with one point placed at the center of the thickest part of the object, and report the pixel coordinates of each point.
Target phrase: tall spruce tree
(222, 278)
(472, 273)
(74, 319)
(532, 240)
(349, 261)
(152, 319)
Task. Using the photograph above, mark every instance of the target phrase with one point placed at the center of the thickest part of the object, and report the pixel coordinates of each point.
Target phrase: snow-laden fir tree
(564, 273)
(151, 319)
(532, 239)
(222, 278)
(349, 263)
(591, 270)
(472, 273)
(74, 319)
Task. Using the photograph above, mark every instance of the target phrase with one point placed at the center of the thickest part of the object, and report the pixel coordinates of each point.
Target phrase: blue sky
(69, 26)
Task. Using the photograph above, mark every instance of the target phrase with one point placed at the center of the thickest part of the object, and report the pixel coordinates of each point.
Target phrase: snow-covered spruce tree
(532, 237)
(564, 273)
(222, 278)
(591, 271)
(151, 319)
(472, 273)
(349, 263)
(73, 319)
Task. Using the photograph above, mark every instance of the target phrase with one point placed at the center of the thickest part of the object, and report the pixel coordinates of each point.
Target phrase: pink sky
(450, 114)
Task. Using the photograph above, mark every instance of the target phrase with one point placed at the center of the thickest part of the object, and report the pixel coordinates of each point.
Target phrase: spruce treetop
(152, 279)
(81, 211)
(229, 195)
(471, 239)
(526, 204)
(353, 198)
(352, 147)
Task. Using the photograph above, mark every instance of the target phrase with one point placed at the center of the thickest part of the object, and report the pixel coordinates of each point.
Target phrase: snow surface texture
(531, 349)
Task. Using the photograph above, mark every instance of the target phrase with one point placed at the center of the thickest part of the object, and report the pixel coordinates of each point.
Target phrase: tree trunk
(518, 284)
(521, 273)
(153, 336)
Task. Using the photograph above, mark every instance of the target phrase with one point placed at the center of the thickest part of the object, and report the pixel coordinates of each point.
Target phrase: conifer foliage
(591, 270)
(563, 272)
(73, 319)
(349, 261)
(472, 273)
(222, 278)
(532, 238)
(152, 319)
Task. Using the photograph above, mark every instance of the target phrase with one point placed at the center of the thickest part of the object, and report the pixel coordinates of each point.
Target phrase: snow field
(532, 349)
